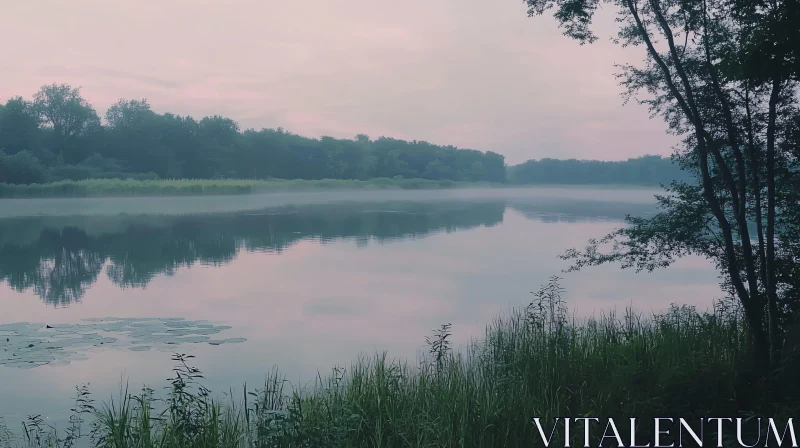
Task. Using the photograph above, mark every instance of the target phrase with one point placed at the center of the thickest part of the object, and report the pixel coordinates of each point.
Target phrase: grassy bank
(533, 362)
(186, 187)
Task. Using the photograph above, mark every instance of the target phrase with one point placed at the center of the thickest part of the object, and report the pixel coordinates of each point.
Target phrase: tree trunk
(756, 178)
(772, 288)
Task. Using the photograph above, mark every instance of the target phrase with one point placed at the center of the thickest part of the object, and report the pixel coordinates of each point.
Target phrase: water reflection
(60, 258)
(308, 286)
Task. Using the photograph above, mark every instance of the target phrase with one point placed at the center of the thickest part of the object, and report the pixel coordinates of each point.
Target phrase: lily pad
(28, 345)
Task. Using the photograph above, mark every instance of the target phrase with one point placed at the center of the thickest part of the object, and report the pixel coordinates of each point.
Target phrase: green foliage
(724, 75)
(81, 184)
(62, 128)
(63, 131)
(645, 170)
(72, 124)
(19, 127)
(681, 362)
(21, 168)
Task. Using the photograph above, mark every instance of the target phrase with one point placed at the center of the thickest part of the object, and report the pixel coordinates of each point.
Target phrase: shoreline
(209, 203)
(122, 188)
(530, 364)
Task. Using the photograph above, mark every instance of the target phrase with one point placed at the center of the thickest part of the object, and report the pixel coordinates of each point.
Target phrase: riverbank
(200, 187)
(580, 198)
(93, 188)
(532, 363)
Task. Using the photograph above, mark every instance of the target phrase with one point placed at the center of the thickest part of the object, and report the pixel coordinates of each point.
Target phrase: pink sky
(472, 73)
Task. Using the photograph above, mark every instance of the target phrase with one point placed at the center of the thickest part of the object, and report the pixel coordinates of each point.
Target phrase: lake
(301, 281)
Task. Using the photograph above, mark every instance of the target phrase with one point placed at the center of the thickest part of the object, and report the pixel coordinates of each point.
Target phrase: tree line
(58, 135)
(644, 170)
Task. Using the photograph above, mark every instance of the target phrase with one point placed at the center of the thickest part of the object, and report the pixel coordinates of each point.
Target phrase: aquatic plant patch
(28, 345)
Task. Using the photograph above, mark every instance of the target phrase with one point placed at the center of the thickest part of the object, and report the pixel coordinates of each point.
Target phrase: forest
(58, 135)
(645, 170)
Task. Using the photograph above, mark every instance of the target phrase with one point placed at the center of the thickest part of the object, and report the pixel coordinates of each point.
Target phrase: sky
(475, 74)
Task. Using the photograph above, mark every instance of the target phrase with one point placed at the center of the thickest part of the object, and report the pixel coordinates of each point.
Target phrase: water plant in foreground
(532, 362)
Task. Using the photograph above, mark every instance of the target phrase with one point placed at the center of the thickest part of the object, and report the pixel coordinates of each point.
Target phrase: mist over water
(308, 280)
(233, 203)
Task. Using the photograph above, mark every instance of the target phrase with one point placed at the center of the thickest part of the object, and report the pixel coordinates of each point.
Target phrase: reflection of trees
(60, 258)
(60, 266)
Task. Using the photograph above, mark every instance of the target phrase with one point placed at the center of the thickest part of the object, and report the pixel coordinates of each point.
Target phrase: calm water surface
(310, 280)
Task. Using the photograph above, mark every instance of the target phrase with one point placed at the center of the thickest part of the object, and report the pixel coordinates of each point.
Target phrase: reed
(535, 361)
(193, 187)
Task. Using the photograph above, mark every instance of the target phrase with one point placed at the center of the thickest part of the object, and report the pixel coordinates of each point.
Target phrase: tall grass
(533, 362)
(183, 187)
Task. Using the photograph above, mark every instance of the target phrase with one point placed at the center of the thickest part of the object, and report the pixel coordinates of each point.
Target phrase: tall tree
(129, 114)
(19, 127)
(134, 136)
(69, 116)
(723, 74)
